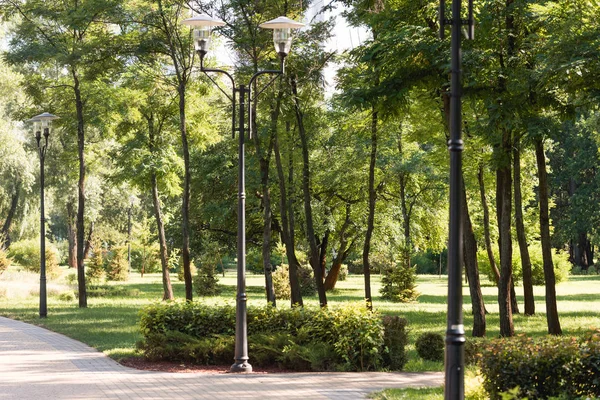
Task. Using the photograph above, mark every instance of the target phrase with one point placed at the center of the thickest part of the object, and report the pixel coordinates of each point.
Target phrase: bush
(118, 268)
(395, 339)
(145, 259)
(95, 272)
(66, 296)
(539, 369)
(430, 346)
(27, 254)
(348, 338)
(398, 284)
(281, 281)
(206, 282)
(193, 270)
(4, 261)
(343, 274)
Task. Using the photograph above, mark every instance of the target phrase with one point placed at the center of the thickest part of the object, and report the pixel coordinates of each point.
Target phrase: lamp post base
(241, 368)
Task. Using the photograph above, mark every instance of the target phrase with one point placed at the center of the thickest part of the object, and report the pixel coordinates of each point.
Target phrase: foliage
(95, 271)
(4, 260)
(395, 338)
(347, 338)
(206, 282)
(543, 368)
(145, 259)
(281, 281)
(118, 269)
(193, 269)
(399, 283)
(430, 346)
(27, 254)
(343, 274)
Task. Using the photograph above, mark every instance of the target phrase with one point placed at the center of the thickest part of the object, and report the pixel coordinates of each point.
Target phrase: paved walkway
(41, 365)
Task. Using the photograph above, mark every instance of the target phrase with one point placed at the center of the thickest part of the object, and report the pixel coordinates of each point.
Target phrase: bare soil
(171, 366)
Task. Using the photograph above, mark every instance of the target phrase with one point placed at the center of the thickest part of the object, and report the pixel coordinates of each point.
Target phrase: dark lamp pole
(42, 124)
(455, 332)
(282, 38)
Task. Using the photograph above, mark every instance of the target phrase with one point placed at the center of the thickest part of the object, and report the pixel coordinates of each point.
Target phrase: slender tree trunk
(72, 235)
(81, 193)
(341, 255)
(164, 261)
(403, 181)
(287, 230)
(310, 231)
(323, 253)
(504, 206)
(520, 228)
(14, 202)
(185, 208)
(472, 269)
(160, 226)
(551, 308)
(371, 215)
(486, 225)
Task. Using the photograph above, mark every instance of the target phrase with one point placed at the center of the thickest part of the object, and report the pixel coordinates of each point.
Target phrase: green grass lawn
(110, 323)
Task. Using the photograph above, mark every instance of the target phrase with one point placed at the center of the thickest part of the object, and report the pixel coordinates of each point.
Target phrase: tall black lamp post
(455, 333)
(42, 125)
(282, 38)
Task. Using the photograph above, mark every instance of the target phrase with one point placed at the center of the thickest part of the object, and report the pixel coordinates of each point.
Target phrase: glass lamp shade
(202, 38)
(202, 24)
(43, 122)
(282, 38)
(282, 33)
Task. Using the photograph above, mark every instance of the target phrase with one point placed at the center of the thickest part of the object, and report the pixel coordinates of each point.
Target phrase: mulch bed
(172, 366)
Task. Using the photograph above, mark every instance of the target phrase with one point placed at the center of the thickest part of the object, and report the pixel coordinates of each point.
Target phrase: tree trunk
(371, 215)
(472, 269)
(264, 163)
(520, 228)
(81, 193)
(504, 208)
(287, 230)
(486, 225)
(88, 242)
(323, 253)
(160, 226)
(551, 308)
(72, 235)
(403, 181)
(166, 279)
(14, 202)
(341, 255)
(310, 232)
(185, 208)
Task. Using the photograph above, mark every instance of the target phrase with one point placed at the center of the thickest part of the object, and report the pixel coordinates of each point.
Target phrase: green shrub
(118, 268)
(66, 296)
(4, 261)
(281, 281)
(398, 284)
(539, 369)
(145, 259)
(348, 338)
(206, 282)
(395, 339)
(343, 274)
(27, 254)
(95, 272)
(472, 349)
(430, 346)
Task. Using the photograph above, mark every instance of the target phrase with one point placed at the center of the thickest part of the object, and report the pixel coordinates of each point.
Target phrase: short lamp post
(42, 124)
(282, 38)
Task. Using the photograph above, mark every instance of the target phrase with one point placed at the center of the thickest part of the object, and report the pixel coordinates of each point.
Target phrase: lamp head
(282, 33)
(202, 25)
(42, 122)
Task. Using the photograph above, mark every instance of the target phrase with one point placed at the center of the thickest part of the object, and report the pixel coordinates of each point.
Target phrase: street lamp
(282, 39)
(41, 127)
(455, 332)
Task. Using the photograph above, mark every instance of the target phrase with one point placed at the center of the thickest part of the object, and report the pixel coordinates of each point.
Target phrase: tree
(75, 39)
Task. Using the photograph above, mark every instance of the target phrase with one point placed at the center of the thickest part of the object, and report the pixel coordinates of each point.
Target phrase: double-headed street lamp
(42, 124)
(282, 38)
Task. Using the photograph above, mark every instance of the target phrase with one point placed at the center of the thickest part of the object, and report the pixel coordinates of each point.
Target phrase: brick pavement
(39, 364)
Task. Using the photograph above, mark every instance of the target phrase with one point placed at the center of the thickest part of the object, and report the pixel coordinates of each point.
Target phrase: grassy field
(110, 323)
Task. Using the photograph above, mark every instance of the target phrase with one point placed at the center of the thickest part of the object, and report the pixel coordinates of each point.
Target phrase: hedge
(562, 367)
(349, 338)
